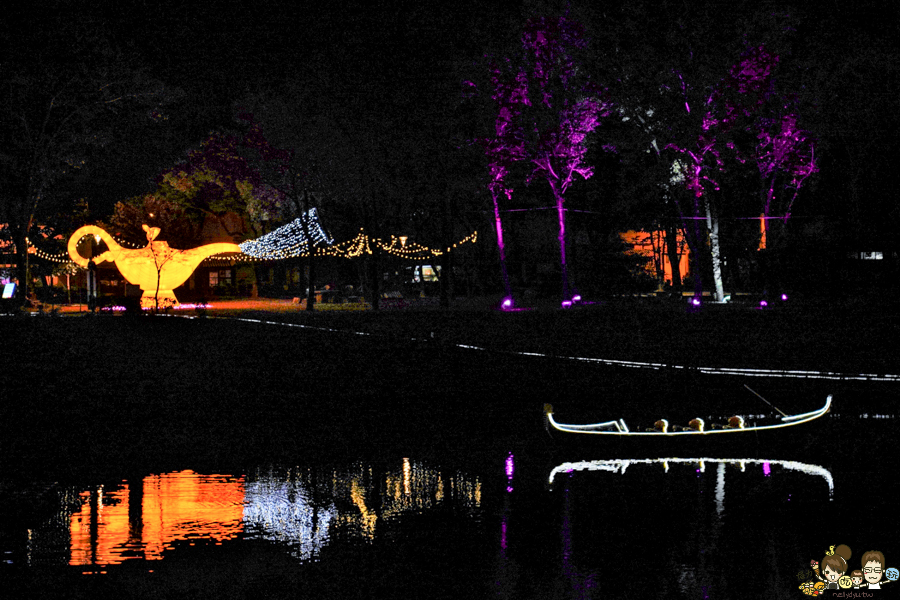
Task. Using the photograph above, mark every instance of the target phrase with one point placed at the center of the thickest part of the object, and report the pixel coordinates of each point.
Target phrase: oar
(764, 400)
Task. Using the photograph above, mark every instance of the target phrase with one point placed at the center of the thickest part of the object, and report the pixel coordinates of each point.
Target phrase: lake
(420, 472)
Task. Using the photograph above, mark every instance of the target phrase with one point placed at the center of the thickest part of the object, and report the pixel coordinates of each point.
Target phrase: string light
(358, 246)
(289, 240)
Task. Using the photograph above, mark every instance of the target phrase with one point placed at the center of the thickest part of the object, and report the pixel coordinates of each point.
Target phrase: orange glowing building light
(652, 245)
(762, 232)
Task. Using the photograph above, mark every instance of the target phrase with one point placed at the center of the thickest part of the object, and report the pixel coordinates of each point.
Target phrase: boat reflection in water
(302, 509)
(742, 464)
(674, 509)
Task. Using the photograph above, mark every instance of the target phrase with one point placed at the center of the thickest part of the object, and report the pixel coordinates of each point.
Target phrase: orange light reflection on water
(173, 507)
(142, 519)
(185, 505)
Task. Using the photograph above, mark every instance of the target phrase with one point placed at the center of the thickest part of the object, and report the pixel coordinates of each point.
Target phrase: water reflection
(691, 515)
(144, 519)
(288, 509)
(700, 464)
(302, 509)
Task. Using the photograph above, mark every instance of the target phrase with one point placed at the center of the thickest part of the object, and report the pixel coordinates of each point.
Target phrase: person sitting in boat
(695, 425)
(734, 422)
(661, 426)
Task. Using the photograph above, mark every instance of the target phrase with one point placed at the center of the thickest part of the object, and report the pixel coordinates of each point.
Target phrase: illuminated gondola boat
(696, 430)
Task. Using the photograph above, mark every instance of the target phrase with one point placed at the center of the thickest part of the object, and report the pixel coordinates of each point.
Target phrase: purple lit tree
(732, 107)
(546, 109)
(785, 158)
(561, 145)
(567, 109)
(505, 148)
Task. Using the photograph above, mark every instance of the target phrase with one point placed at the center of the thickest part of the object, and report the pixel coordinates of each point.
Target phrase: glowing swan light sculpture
(156, 268)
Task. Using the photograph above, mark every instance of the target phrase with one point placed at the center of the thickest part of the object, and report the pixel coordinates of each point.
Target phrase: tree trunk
(674, 256)
(713, 226)
(310, 280)
(20, 240)
(500, 245)
(375, 276)
(561, 215)
(697, 270)
(445, 277)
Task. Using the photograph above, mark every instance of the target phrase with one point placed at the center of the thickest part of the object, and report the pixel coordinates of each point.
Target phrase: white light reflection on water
(620, 465)
(295, 508)
(282, 509)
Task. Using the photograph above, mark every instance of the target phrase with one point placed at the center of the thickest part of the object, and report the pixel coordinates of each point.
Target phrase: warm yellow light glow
(156, 268)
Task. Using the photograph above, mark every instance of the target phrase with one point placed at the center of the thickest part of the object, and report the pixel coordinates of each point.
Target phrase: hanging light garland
(358, 246)
(289, 240)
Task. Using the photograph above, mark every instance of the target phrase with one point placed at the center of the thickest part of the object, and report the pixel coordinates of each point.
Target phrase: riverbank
(847, 337)
(843, 338)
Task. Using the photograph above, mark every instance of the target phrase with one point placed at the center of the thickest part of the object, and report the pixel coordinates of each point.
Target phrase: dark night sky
(217, 51)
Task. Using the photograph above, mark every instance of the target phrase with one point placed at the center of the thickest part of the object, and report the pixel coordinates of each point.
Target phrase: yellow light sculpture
(156, 268)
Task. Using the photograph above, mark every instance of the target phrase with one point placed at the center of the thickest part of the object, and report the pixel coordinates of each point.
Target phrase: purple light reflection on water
(767, 469)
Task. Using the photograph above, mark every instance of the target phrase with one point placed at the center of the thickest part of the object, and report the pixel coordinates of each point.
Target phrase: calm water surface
(415, 471)
(528, 523)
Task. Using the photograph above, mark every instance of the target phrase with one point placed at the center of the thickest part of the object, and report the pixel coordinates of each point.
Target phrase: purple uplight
(566, 303)
(784, 297)
(507, 304)
(763, 304)
(767, 469)
(576, 298)
(695, 301)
